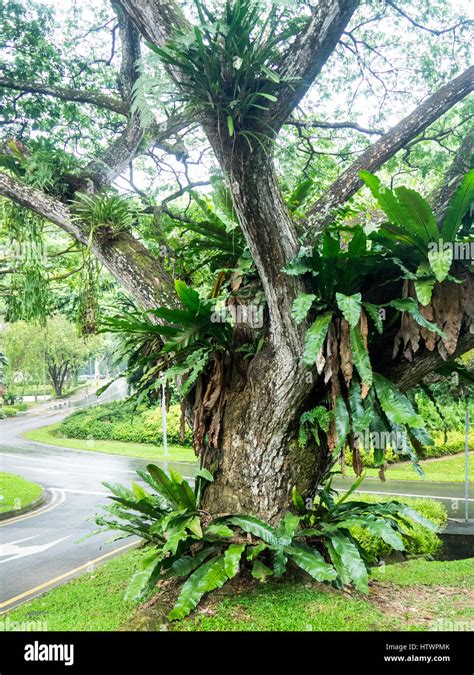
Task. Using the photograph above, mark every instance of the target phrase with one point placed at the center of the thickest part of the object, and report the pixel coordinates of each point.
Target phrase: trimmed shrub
(10, 410)
(422, 541)
(124, 422)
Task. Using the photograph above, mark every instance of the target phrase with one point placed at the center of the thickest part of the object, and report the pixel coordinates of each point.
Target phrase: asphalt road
(42, 549)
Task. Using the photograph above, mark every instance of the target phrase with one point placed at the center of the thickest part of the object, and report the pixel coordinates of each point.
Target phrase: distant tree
(31, 348)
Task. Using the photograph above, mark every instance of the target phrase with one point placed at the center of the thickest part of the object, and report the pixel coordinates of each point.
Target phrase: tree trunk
(258, 459)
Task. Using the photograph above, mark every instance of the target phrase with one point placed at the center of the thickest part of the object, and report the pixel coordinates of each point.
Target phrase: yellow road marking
(25, 594)
(44, 509)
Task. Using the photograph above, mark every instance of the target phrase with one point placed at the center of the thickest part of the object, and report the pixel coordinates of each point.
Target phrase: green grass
(459, 573)
(17, 492)
(92, 602)
(404, 596)
(51, 436)
(447, 469)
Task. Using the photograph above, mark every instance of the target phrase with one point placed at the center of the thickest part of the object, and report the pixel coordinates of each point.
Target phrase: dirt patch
(419, 604)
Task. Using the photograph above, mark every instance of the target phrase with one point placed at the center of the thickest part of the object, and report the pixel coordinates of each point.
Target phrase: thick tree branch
(407, 375)
(95, 98)
(311, 49)
(379, 152)
(131, 53)
(141, 274)
(157, 20)
(134, 140)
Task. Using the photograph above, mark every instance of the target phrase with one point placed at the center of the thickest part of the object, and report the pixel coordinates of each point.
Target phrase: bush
(455, 444)
(453, 412)
(127, 422)
(10, 410)
(421, 542)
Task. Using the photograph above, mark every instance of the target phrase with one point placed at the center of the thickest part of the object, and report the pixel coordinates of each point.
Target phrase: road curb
(39, 501)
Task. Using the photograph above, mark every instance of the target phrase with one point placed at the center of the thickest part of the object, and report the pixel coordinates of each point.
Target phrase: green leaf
(288, 526)
(378, 527)
(188, 296)
(254, 551)
(417, 517)
(232, 559)
(219, 530)
(419, 212)
(440, 262)
(374, 312)
(301, 306)
(186, 564)
(424, 284)
(388, 202)
(300, 194)
(297, 499)
(311, 562)
(260, 571)
(395, 405)
(206, 578)
(360, 356)
(350, 306)
(138, 491)
(164, 485)
(230, 125)
(207, 475)
(315, 337)
(352, 565)
(256, 527)
(460, 203)
(141, 580)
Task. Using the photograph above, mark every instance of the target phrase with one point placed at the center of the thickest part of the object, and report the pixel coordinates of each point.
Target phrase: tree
(242, 72)
(55, 349)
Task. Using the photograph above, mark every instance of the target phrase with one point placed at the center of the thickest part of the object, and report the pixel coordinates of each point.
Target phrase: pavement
(42, 549)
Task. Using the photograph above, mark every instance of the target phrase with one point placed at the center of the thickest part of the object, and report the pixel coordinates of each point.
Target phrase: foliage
(187, 543)
(421, 540)
(56, 346)
(108, 214)
(228, 65)
(412, 231)
(344, 314)
(192, 337)
(123, 421)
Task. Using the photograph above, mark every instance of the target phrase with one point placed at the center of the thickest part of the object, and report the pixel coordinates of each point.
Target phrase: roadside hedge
(127, 422)
(12, 410)
(421, 542)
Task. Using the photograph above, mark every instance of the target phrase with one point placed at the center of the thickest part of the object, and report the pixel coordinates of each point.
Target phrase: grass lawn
(51, 436)
(405, 596)
(17, 492)
(446, 469)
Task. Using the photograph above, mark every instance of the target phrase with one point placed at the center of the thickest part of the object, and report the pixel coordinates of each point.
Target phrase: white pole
(466, 467)
(163, 420)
